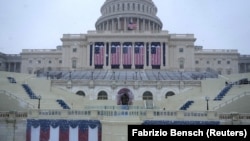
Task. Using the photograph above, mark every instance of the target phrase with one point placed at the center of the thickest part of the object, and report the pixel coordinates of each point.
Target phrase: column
(9, 66)
(88, 56)
(119, 23)
(145, 55)
(93, 54)
(167, 55)
(107, 25)
(109, 55)
(162, 55)
(138, 24)
(149, 55)
(112, 24)
(121, 56)
(133, 55)
(104, 56)
(149, 25)
(245, 70)
(125, 24)
(143, 25)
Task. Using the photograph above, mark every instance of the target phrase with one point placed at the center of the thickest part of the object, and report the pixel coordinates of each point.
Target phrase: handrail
(231, 100)
(17, 98)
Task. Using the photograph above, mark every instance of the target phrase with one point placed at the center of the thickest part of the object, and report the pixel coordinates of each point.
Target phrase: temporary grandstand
(204, 99)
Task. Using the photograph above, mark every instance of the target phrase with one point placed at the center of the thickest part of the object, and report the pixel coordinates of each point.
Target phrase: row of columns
(244, 67)
(118, 24)
(149, 66)
(13, 66)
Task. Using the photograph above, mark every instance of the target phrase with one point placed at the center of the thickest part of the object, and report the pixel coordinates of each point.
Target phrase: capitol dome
(125, 15)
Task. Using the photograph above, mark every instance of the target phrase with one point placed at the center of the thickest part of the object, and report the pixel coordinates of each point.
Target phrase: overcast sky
(39, 24)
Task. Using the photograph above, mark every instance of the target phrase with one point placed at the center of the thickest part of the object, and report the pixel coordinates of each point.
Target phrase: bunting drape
(63, 130)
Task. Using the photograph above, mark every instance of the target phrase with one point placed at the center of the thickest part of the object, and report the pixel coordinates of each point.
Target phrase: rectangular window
(60, 61)
(181, 50)
(39, 61)
(30, 61)
(74, 49)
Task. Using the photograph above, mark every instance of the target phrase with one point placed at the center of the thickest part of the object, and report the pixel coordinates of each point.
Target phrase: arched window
(80, 93)
(170, 93)
(147, 96)
(102, 95)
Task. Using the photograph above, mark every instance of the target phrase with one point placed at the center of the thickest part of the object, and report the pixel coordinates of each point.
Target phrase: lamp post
(113, 75)
(70, 75)
(136, 75)
(207, 99)
(39, 98)
(92, 75)
(158, 75)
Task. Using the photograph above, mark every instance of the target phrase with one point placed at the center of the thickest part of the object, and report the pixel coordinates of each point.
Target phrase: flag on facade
(132, 25)
(155, 53)
(63, 130)
(139, 53)
(99, 53)
(115, 53)
(127, 51)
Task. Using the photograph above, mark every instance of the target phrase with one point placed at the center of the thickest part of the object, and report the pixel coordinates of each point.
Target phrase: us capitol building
(128, 35)
(128, 71)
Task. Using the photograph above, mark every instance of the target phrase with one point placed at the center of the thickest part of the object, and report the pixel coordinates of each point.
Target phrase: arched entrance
(170, 93)
(147, 96)
(125, 97)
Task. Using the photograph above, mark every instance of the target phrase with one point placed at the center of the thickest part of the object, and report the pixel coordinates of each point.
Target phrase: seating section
(242, 81)
(11, 79)
(223, 92)
(186, 105)
(29, 91)
(128, 75)
(62, 103)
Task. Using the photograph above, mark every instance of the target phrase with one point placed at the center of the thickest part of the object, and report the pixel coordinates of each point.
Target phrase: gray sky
(39, 24)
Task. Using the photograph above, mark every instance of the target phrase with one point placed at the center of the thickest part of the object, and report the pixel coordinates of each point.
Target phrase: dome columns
(117, 24)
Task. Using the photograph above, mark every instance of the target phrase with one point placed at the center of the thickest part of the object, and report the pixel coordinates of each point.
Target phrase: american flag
(139, 53)
(63, 130)
(132, 25)
(99, 53)
(127, 53)
(155, 53)
(115, 53)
